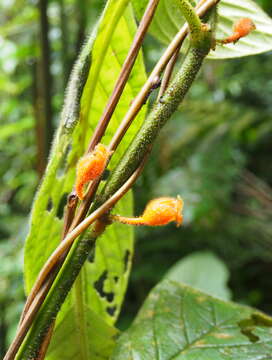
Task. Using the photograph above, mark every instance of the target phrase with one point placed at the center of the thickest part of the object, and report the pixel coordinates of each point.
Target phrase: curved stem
(192, 19)
(170, 66)
(168, 73)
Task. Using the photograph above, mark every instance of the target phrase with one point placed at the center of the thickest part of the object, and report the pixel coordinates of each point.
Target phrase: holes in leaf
(49, 206)
(61, 206)
(247, 326)
(111, 310)
(106, 174)
(99, 286)
(116, 278)
(109, 296)
(91, 256)
(246, 329)
(126, 259)
(63, 162)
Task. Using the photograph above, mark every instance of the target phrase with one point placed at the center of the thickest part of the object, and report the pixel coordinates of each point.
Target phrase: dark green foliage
(177, 322)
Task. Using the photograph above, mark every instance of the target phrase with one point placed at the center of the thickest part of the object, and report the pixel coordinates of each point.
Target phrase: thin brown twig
(124, 74)
(70, 210)
(168, 73)
(68, 218)
(140, 99)
(28, 319)
(69, 213)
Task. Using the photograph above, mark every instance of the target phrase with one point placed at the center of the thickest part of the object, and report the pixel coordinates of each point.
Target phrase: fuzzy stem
(161, 112)
(193, 20)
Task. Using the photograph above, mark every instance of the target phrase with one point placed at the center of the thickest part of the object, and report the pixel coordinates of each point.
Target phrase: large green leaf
(204, 271)
(181, 323)
(169, 19)
(103, 278)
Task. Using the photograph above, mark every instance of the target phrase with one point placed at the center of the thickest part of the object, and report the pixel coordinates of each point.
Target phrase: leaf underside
(204, 271)
(178, 322)
(169, 19)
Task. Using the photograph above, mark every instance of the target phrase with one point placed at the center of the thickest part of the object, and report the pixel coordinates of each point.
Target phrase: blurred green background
(215, 152)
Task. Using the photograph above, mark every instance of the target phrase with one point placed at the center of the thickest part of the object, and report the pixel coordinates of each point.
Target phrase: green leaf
(103, 278)
(180, 323)
(204, 271)
(169, 19)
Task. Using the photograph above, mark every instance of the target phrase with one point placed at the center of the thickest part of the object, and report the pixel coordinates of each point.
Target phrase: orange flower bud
(90, 167)
(158, 212)
(241, 29)
(163, 210)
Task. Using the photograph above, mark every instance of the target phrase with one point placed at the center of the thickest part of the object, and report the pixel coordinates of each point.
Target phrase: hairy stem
(161, 112)
(193, 20)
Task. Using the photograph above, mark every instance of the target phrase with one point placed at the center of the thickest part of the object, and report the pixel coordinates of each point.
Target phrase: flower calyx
(241, 28)
(90, 167)
(158, 212)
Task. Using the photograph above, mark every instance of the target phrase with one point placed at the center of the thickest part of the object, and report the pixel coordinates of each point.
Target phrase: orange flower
(158, 212)
(241, 29)
(90, 167)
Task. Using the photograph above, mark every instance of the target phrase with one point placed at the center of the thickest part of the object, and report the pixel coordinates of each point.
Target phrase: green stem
(162, 111)
(193, 20)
